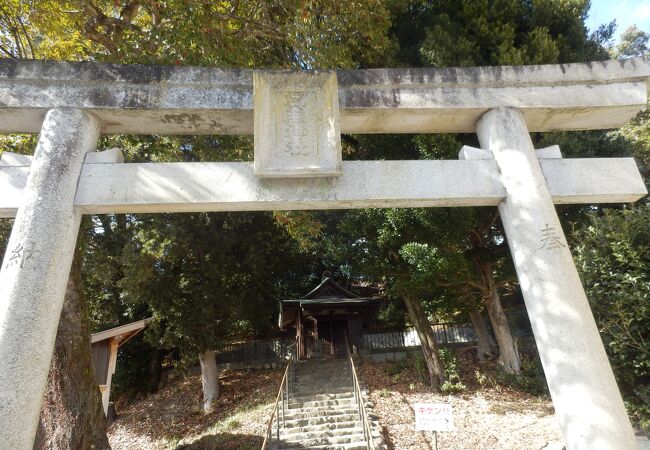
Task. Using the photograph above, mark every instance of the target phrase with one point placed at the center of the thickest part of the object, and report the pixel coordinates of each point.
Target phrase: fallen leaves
(172, 417)
(487, 416)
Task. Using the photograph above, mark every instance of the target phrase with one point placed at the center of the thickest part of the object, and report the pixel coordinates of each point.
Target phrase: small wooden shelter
(104, 346)
(325, 316)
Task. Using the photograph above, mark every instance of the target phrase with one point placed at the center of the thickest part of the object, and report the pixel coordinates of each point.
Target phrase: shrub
(531, 379)
(449, 361)
(612, 252)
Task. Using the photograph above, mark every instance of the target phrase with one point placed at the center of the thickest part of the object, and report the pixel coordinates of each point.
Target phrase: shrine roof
(329, 288)
(331, 301)
(329, 292)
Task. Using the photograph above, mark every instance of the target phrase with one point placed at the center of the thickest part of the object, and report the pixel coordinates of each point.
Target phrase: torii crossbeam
(296, 120)
(114, 187)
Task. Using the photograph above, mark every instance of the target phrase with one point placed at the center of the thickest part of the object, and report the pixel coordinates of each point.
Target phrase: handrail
(367, 429)
(288, 377)
(269, 427)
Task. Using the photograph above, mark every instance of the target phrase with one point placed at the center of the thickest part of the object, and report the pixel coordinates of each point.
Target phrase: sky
(626, 13)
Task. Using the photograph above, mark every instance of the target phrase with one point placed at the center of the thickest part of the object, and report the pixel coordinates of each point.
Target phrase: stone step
(304, 391)
(308, 385)
(350, 446)
(305, 413)
(322, 412)
(323, 366)
(322, 382)
(324, 436)
(327, 367)
(324, 361)
(326, 364)
(320, 375)
(326, 439)
(346, 402)
(316, 380)
(296, 397)
(318, 420)
(331, 426)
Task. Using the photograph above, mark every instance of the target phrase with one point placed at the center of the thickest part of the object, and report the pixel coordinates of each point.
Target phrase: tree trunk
(485, 346)
(508, 353)
(155, 371)
(428, 341)
(72, 416)
(209, 379)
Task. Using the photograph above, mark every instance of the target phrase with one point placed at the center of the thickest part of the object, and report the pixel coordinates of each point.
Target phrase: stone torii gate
(296, 119)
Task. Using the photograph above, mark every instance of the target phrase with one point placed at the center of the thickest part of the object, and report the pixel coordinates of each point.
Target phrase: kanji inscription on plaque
(296, 124)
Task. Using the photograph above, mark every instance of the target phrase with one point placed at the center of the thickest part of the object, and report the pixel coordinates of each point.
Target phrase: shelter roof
(122, 332)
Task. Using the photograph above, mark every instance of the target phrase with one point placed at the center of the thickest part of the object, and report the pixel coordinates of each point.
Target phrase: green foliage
(449, 361)
(501, 32)
(452, 371)
(415, 361)
(232, 424)
(481, 378)
(279, 33)
(612, 252)
(396, 368)
(531, 379)
(302, 227)
(5, 231)
(384, 393)
(633, 42)
(420, 366)
(208, 278)
(637, 134)
(132, 369)
(41, 29)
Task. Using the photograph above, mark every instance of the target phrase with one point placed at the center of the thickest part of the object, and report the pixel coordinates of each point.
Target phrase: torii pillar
(36, 267)
(586, 398)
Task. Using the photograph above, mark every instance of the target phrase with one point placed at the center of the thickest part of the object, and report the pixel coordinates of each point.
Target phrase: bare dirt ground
(172, 418)
(486, 414)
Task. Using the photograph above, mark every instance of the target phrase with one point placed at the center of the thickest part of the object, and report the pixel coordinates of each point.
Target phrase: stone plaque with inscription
(296, 124)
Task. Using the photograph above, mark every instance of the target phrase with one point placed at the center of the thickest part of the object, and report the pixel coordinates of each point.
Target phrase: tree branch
(7, 52)
(29, 41)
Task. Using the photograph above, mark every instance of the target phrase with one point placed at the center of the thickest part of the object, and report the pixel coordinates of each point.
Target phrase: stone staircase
(322, 412)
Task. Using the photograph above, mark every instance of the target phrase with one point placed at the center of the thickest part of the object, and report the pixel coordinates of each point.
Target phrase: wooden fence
(393, 343)
(254, 353)
(391, 340)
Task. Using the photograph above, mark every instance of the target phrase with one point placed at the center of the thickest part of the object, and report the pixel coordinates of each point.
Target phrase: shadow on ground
(174, 412)
(224, 441)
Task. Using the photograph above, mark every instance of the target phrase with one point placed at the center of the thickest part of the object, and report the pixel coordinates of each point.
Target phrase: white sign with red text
(433, 417)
